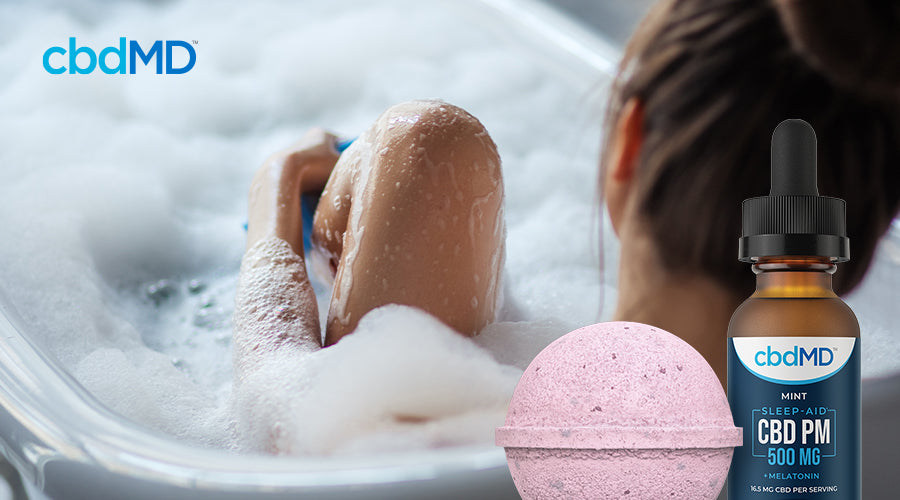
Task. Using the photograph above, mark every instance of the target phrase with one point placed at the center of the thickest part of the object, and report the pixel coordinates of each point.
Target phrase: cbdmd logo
(793, 360)
(817, 356)
(126, 57)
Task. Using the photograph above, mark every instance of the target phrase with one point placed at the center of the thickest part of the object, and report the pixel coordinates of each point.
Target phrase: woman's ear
(622, 162)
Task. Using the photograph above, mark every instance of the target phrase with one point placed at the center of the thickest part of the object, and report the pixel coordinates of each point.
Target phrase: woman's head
(704, 83)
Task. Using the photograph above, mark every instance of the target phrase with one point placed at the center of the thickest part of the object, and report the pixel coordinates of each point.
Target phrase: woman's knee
(431, 218)
(427, 137)
(436, 170)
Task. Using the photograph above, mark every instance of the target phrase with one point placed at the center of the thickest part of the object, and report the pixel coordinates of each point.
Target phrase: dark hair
(716, 76)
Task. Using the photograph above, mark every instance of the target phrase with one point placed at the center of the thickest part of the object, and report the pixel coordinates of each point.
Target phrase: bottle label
(797, 399)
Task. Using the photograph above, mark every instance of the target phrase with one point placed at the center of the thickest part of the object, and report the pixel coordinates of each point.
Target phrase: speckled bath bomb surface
(619, 410)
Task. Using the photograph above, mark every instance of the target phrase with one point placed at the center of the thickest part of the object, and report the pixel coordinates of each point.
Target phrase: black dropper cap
(794, 220)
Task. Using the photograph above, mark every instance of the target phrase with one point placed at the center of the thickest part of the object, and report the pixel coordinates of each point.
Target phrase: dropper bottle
(793, 346)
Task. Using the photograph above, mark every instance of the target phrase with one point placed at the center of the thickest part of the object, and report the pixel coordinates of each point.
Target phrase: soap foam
(402, 380)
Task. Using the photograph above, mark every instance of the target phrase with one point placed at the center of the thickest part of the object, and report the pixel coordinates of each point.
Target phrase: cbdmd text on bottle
(793, 346)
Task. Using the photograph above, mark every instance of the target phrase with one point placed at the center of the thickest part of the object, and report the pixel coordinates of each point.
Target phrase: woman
(701, 87)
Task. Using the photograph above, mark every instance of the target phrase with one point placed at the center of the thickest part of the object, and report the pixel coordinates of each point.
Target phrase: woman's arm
(275, 306)
(274, 205)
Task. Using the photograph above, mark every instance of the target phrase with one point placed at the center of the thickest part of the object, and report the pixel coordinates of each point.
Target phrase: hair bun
(854, 44)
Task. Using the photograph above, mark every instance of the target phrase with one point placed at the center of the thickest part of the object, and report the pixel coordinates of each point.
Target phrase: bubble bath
(122, 201)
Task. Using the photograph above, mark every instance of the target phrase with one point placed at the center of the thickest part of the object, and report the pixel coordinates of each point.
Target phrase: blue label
(797, 399)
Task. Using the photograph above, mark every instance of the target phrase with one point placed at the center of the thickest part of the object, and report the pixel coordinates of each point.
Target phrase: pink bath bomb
(619, 410)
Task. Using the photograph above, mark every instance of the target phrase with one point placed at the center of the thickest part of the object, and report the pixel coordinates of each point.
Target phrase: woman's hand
(310, 160)
(274, 204)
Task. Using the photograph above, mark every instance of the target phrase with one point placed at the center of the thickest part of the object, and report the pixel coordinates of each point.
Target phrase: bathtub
(65, 443)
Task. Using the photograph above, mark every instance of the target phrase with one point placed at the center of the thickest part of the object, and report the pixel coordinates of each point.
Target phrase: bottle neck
(797, 277)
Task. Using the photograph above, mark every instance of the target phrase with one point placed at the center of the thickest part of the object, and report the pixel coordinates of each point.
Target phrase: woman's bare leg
(412, 214)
